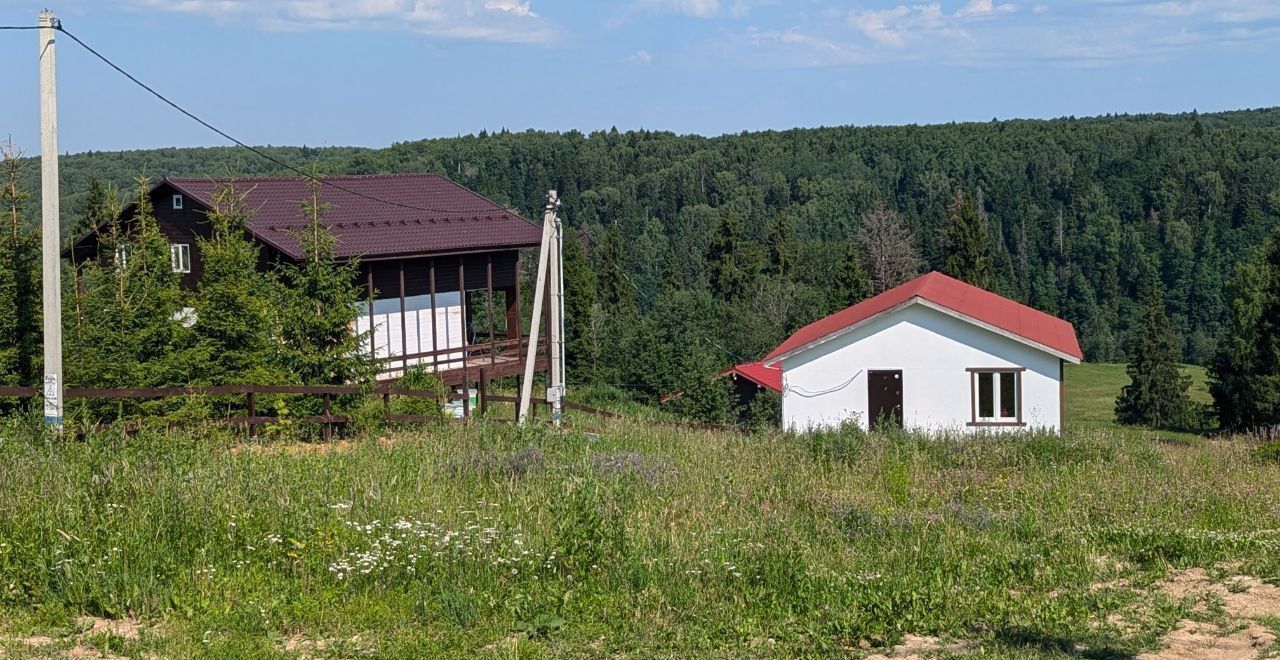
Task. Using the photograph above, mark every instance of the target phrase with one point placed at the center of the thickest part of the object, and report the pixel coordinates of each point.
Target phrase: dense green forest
(703, 251)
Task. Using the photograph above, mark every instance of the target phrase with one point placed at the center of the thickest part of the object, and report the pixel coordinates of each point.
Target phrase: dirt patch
(1192, 640)
(123, 628)
(918, 647)
(85, 627)
(1242, 596)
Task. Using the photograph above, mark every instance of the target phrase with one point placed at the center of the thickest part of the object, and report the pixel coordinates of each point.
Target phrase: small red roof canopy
(978, 305)
(756, 372)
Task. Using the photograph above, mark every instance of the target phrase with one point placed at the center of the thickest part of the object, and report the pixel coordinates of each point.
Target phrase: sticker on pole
(52, 406)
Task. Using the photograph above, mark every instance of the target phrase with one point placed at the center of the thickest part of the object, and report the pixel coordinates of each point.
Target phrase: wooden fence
(252, 420)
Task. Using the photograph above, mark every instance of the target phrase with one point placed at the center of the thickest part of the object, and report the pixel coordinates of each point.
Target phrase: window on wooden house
(180, 257)
(177, 202)
(996, 397)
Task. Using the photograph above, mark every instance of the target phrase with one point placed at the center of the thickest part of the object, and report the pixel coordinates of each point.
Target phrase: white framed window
(123, 251)
(180, 257)
(996, 397)
(177, 202)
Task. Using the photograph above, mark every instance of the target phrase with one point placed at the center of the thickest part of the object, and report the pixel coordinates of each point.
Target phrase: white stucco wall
(826, 385)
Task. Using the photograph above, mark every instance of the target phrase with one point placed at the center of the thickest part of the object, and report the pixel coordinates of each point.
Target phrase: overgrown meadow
(632, 539)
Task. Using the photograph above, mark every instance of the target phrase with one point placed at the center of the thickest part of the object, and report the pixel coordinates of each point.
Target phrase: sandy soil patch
(1192, 640)
(918, 647)
(1243, 598)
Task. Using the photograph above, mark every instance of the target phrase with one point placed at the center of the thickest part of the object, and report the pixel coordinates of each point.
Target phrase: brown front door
(884, 398)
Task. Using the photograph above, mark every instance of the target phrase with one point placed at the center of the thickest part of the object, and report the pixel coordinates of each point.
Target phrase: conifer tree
(728, 276)
(20, 324)
(852, 284)
(1267, 391)
(1245, 376)
(234, 300)
(579, 298)
(782, 246)
(1157, 393)
(130, 331)
(615, 290)
(1232, 375)
(968, 243)
(317, 344)
(96, 207)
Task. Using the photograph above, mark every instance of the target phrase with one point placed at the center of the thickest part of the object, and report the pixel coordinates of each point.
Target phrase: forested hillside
(708, 250)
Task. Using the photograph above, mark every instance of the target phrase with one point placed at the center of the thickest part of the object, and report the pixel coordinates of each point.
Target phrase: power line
(321, 181)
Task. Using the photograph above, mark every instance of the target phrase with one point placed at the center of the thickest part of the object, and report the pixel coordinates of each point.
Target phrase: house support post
(488, 275)
(404, 334)
(435, 347)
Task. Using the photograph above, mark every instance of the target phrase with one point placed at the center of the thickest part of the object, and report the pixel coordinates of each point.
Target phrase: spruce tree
(234, 300)
(1157, 393)
(782, 246)
(20, 324)
(321, 307)
(1267, 390)
(1246, 370)
(852, 284)
(728, 277)
(968, 243)
(614, 288)
(129, 330)
(579, 298)
(1232, 375)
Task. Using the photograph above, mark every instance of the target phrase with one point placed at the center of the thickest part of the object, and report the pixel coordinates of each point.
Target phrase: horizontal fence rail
(252, 420)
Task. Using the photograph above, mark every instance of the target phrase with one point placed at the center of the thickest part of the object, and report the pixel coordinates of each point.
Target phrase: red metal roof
(456, 219)
(756, 372)
(978, 304)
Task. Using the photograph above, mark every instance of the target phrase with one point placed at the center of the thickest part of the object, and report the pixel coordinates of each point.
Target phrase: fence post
(328, 429)
(484, 392)
(386, 401)
(252, 410)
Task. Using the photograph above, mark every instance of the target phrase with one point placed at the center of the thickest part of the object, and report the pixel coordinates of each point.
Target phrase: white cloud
(512, 21)
(640, 57)
(698, 8)
(984, 7)
(1017, 33)
(517, 8)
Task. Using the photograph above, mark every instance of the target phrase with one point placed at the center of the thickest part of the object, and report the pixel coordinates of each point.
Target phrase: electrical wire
(801, 392)
(57, 25)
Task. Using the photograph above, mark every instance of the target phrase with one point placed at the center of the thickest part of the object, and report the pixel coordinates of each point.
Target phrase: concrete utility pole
(49, 223)
(550, 223)
(555, 331)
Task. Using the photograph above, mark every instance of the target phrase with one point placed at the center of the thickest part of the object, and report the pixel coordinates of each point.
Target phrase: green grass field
(1092, 391)
(633, 540)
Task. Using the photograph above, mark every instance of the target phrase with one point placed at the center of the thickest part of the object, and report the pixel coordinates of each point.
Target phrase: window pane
(1008, 394)
(986, 398)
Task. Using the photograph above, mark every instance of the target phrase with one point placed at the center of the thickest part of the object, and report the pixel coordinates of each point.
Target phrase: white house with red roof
(934, 354)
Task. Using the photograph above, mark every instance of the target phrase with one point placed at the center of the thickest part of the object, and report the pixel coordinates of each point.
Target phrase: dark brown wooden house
(427, 248)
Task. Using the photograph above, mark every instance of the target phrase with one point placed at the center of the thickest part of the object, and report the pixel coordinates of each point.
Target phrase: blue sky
(374, 72)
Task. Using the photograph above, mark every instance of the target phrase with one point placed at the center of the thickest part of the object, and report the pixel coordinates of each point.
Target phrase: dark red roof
(978, 304)
(430, 214)
(756, 372)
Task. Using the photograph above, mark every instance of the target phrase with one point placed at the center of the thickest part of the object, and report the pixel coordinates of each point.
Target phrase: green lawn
(631, 540)
(1092, 389)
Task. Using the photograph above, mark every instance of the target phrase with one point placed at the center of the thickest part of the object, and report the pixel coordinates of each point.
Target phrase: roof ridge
(324, 177)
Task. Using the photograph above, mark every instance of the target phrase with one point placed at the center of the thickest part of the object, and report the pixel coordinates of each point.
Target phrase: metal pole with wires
(51, 239)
